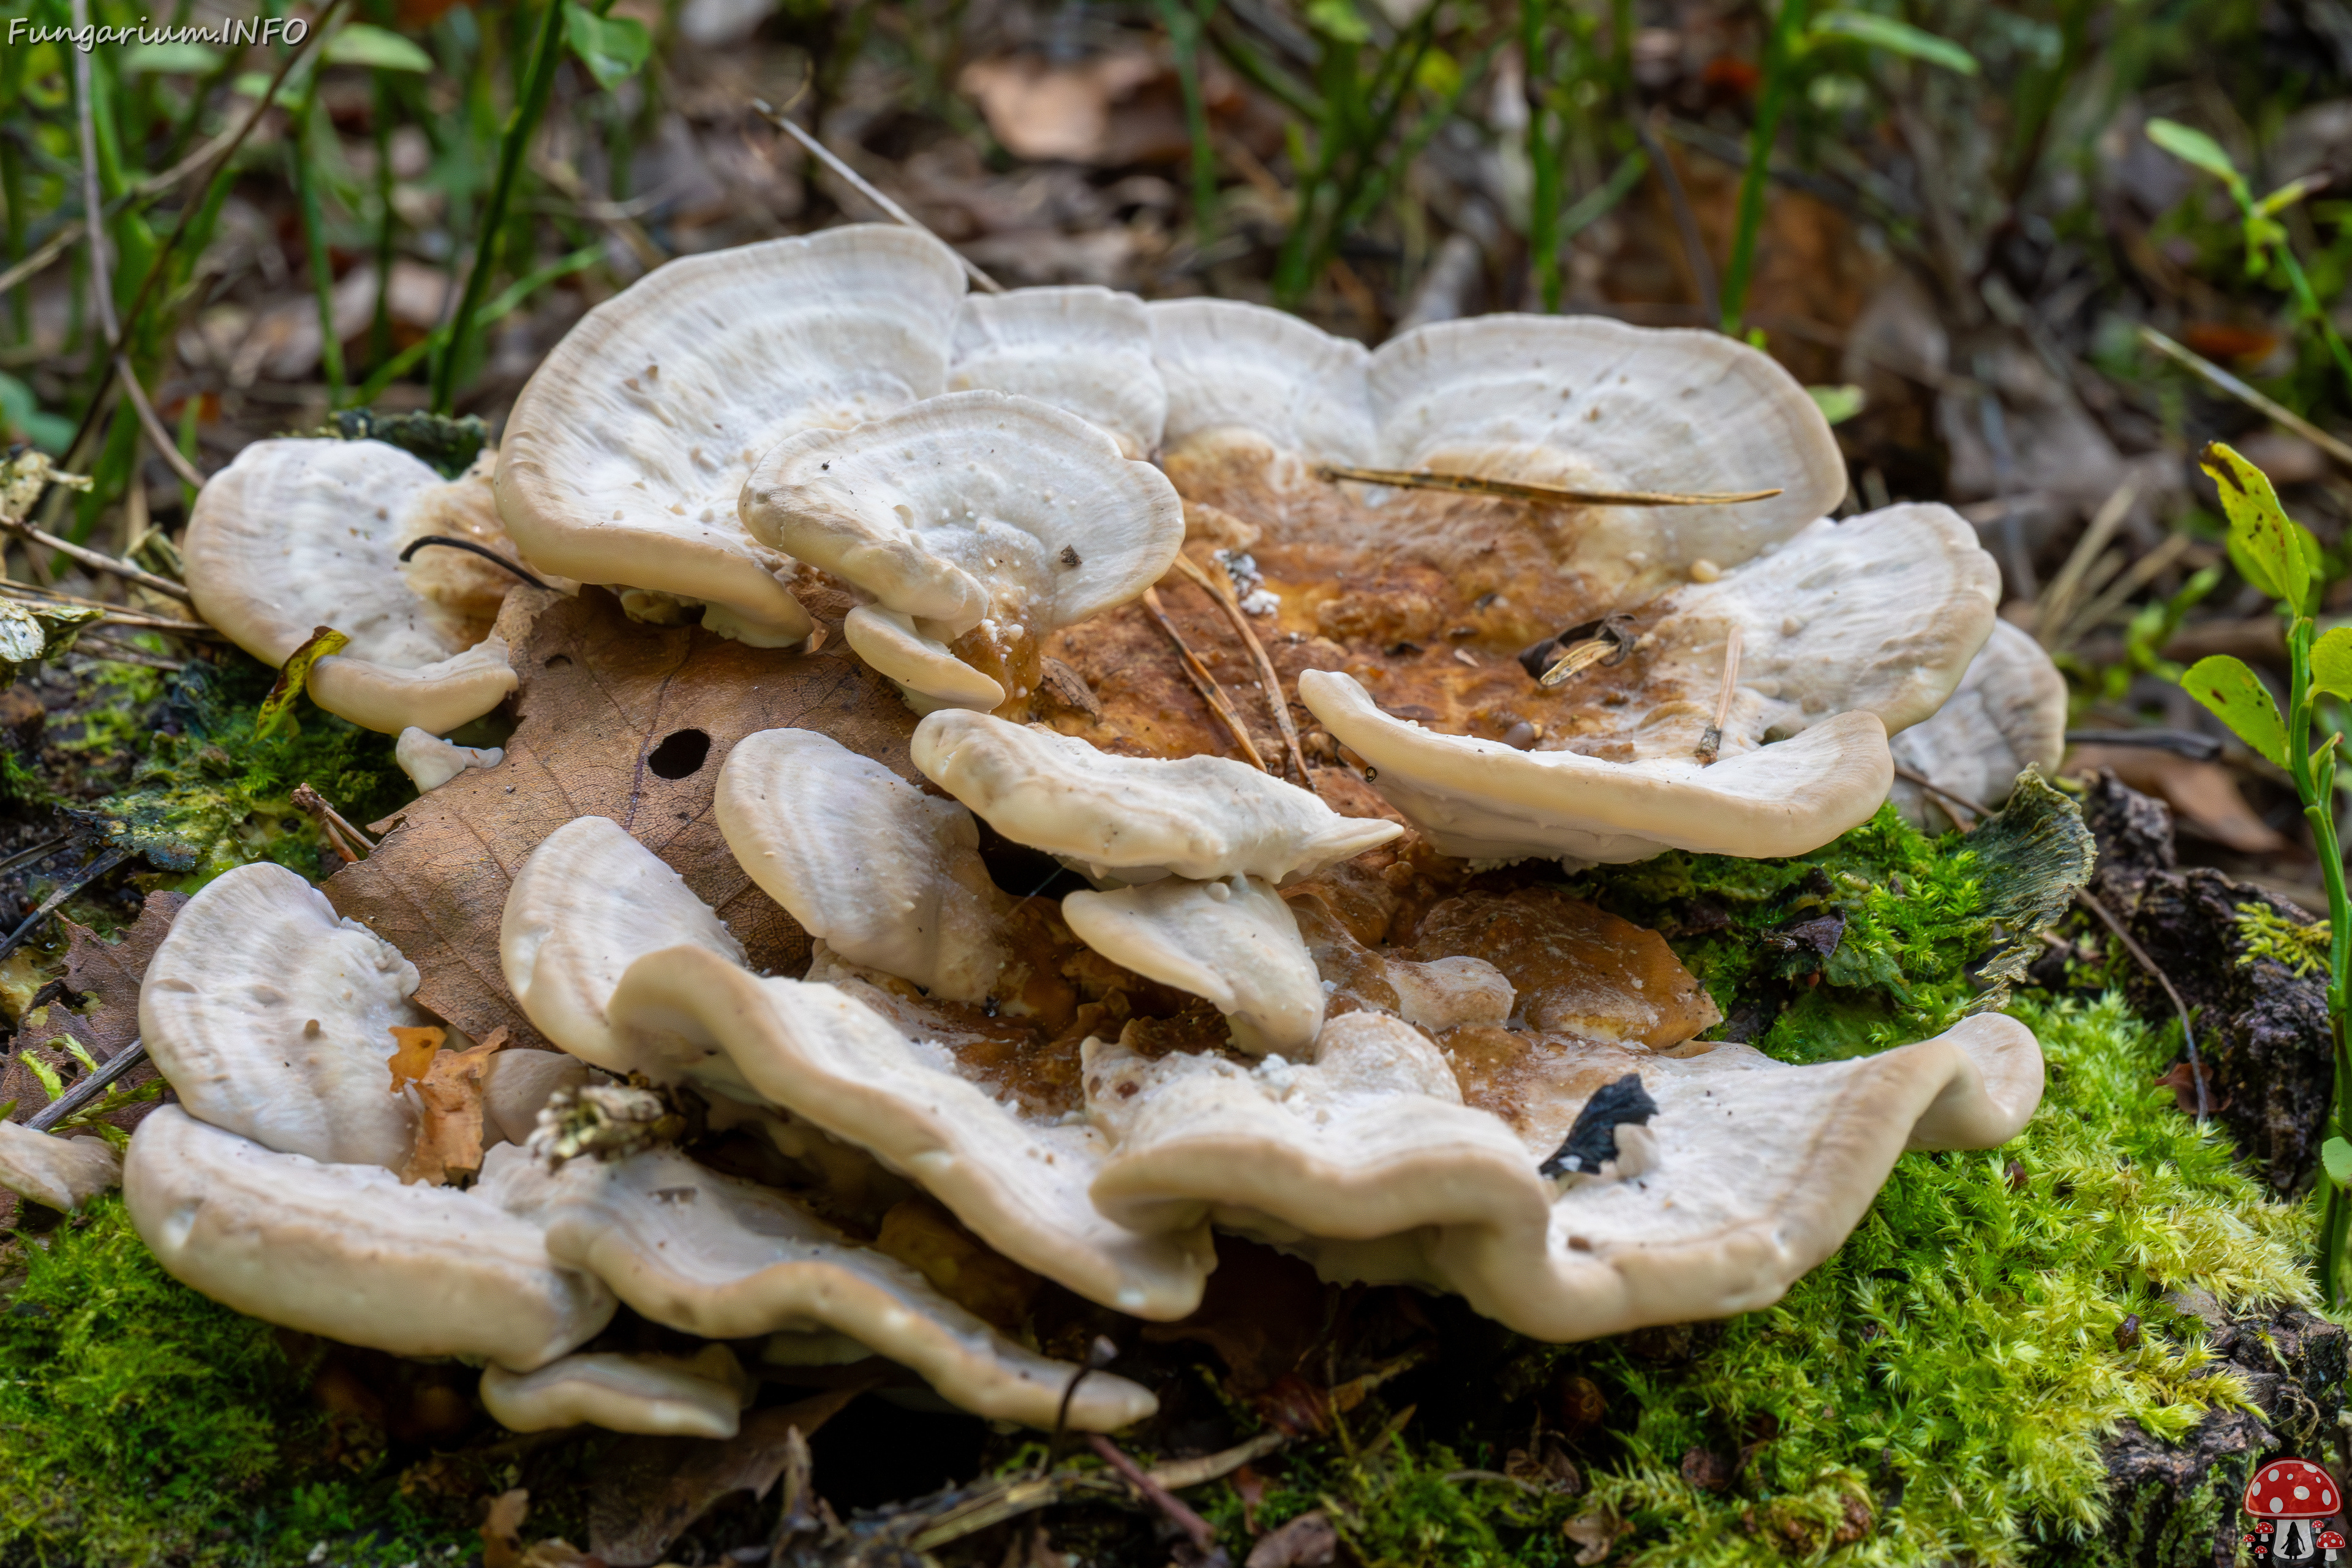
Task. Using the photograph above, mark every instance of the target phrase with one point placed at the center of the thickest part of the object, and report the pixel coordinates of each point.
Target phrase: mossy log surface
(2066, 1350)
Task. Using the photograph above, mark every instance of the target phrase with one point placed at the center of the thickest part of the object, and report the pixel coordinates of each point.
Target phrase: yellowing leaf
(295, 676)
(412, 1054)
(2331, 662)
(2237, 696)
(2265, 546)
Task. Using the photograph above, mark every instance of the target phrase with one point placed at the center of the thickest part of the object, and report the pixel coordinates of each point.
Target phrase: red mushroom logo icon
(2296, 1501)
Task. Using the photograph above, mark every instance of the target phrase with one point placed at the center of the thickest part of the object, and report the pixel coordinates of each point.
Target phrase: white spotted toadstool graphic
(2296, 1497)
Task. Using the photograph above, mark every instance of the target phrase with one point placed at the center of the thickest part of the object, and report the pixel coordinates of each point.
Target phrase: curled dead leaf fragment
(450, 1134)
(1595, 1533)
(502, 1543)
(294, 676)
(1306, 1541)
(413, 1052)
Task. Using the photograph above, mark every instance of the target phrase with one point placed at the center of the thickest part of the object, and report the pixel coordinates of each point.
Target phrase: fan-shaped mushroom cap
(431, 762)
(1847, 631)
(1481, 799)
(926, 671)
(63, 1173)
(271, 1015)
(1019, 1183)
(1086, 350)
(976, 512)
(346, 1251)
(297, 534)
(667, 1395)
(587, 904)
(2009, 714)
(1369, 1163)
(1225, 363)
(1233, 942)
(625, 455)
(886, 876)
(1588, 403)
(1136, 818)
(724, 1258)
(516, 1082)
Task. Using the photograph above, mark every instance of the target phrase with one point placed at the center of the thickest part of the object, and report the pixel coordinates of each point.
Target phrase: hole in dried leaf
(680, 753)
(557, 662)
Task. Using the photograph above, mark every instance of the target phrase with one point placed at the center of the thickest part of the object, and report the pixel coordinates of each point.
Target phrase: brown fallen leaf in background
(502, 1544)
(622, 721)
(413, 1051)
(651, 1489)
(2184, 1088)
(108, 973)
(1306, 1541)
(449, 1133)
(2202, 794)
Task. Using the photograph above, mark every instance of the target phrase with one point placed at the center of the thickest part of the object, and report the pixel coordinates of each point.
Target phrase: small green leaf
(2194, 147)
(1837, 403)
(2237, 696)
(379, 48)
(612, 48)
(2263, 542)
(2286, 195)
(2331, 662)
(175, 57)
(295, 677)
(1336, 19)
(2337, 1155)
(1895, 37)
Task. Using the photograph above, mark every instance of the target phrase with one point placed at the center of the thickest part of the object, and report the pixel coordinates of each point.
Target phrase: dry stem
(1222, 592)
(1205, 683)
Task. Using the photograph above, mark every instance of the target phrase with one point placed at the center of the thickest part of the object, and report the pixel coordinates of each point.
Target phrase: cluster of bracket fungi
(1478, 1087)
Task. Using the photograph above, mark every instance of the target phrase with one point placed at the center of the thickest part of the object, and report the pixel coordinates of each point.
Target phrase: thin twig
(1686, 220)
(492, 556)
(73, 233)
(113, 652)
(38, 852)
(340, 835)
(1551, 495)
(858, 182)
(165, 447)
(106, 860)
(1205, 683)
(99, 562)
(89, 1088)
(2187, 1036)
(2135, 577)
(1710, 741)
(2057, 605)
(2277, 413)
(1178, 1512)
(1223, 595)
(1932, 787)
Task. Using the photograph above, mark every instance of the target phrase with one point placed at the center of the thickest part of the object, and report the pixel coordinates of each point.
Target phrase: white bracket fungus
(270, 1016)
(63, 1173)
(431, 762)
(713, 1256)
(625, 455)
(983, 518)
(702, 1396)
(1134, 820)
(1233, 942)
(345, 1251)
(2009, 714)
(1086, 350)
(298, 534)
(886, 876)
(1847, 631)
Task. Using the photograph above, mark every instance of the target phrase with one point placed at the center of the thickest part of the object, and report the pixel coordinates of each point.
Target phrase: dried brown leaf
(652, 1488)
(2203, 795)
(622, 721)
(1306, 1541)
(449, 1133)
(108, 973)
(413, 1051)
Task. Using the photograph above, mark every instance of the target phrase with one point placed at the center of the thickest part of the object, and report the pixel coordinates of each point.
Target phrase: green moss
(210, 796)
(1948, 1376)
(141, 1422)
(2299, 948)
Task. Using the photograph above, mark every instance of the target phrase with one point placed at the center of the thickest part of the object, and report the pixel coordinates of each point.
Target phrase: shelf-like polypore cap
(976, 512)
(666, 1396)
(1226, 365)
(63, 1173)
(1233, 943)
(1085, 349)
(348, 1252)
(298, 534)
(2009, 714)
(713, 1256)
(624, 456)
(885, 875)
(587, 904)
(271, 1017)
(1134, 820)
